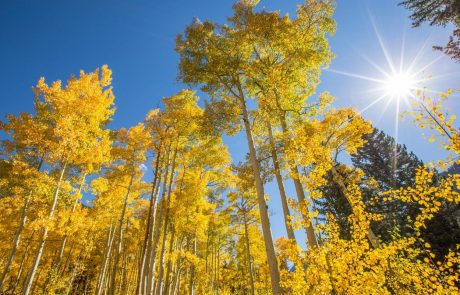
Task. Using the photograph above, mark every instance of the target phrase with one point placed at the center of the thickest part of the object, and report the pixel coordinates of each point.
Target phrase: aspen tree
(27, 134)
(279, 181)
(22, 181)
(244, 202)
(289, 55)
(129, 153)
(220, 58)
(73, 128)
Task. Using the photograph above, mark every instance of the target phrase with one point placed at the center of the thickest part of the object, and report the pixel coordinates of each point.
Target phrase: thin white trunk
(17, 240)
(23, 262)
(267, 234)
(338, 179)
(69, 221)
(248, 250)
(311, 238)
(191, 290)
(69, 287)
(149, 229)
(279, 181)
(159, 282)
(169, 263)
(177, 279)
(177, 271)
(156, 232)
(42, 242)
(120, 238)
(108, 249)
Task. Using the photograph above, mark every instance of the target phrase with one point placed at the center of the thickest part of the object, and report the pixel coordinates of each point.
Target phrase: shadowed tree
(438, 13)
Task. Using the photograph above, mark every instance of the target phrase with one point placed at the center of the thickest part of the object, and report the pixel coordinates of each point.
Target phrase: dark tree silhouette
(438, 13)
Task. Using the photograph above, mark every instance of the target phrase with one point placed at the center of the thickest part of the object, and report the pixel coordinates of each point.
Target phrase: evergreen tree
(335, 202)
(438, 13)
(377, 160)
(393, 167)
(390, 164)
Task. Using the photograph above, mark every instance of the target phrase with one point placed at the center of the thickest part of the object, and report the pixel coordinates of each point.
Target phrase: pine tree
(438, 13)
(388, 162)
(376, 159)
(394, 167)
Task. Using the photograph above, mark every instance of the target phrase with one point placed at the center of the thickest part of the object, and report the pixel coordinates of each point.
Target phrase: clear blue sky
(136, 39)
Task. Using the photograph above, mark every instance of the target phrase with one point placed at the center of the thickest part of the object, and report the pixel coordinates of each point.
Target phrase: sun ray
(372, 103)
(396, 131)
(382, 46)
(372, 90)
(439, 76)
(431, 90)
(403, 50)
(418, 55)
(419, 71)
(385, 108)
(376, 66)
(356, 76)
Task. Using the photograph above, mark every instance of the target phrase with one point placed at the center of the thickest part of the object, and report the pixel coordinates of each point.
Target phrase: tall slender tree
(219, 57)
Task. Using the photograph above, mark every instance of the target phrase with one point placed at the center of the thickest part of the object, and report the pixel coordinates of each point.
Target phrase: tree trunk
(69, 256)
(17, 238)
(108, 250)
(207, 249)
(191, 290)
(177, 279)
(69, 221)
(218, 267)
(176, 286)
(177, 268)
(338, 179)
(159, 283)
(72, 278)
(122, 284)
(169, 263)
(268, 240)
(41, 246)
(23, 262)
(120, 238)
(279, 181)
(149, 229)
(156, 231)
(212, 264)
(311, 238)
(150, 287)
(134, 272)
(176, 276)
(248, 250)
(38, 279)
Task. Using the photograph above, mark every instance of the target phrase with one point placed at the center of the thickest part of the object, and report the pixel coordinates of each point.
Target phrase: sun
(400, 86)
(393, 84)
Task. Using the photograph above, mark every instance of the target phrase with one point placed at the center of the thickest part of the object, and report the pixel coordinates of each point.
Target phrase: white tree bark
(42, 242)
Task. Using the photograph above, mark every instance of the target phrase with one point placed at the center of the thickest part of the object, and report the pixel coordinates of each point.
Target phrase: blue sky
(136, 39)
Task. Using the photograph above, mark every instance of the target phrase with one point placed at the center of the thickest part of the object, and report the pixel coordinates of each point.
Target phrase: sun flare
(400, 85)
